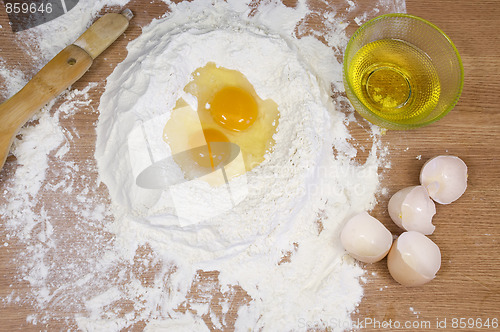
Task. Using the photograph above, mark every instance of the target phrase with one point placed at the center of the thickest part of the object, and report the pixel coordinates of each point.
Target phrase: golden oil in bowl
(402, 72)
(395, 80)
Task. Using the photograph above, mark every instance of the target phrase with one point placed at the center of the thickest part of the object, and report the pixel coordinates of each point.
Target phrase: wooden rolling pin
(57, 75)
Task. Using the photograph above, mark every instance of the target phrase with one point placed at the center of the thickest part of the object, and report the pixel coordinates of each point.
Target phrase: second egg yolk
(215, 152)
(234, 108)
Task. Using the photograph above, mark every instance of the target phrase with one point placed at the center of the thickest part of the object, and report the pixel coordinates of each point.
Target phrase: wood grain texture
(467, 231)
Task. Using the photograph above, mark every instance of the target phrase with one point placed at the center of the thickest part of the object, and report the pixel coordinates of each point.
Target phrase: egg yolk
(234, 108)
(212, 154)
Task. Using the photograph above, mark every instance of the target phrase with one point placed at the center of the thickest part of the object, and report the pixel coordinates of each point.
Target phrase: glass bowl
(402, 72)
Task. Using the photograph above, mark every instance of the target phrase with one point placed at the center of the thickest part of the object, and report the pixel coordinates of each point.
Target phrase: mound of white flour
(147, 85)
(297, 199)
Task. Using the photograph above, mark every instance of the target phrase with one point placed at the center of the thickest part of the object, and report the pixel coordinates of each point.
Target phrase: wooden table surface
(468, 231)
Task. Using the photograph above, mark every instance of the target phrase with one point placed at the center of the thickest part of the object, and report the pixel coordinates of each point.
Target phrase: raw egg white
(366, 238)
(445, 178)
(413, 259)
(229, 110)
(412, 210)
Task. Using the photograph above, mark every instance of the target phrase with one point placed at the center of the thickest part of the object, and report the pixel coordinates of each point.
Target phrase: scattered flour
(272, 263)
(415, 312)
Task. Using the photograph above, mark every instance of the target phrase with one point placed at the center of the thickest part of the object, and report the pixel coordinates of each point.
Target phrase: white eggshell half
(366, 238)
(412, 209)
(413, 259)
(445, 178)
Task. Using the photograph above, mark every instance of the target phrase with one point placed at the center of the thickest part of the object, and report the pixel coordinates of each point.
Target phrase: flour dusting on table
(113, 256)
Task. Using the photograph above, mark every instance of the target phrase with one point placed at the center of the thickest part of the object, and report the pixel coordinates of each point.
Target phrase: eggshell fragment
(366, 238)
(445, 178)
(412, 209)
(413, 259)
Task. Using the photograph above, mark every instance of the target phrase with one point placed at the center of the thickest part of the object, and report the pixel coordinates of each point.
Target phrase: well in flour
(235, 114)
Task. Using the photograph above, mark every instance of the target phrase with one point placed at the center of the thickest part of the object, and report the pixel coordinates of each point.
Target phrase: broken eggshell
(413, 259)
(365, 238)
(412, 209)
(445, 178)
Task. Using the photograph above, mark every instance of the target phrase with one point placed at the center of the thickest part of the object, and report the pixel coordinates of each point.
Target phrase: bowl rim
(396, 125)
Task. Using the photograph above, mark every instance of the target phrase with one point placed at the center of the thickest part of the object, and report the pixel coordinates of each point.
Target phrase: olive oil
(395, 80)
